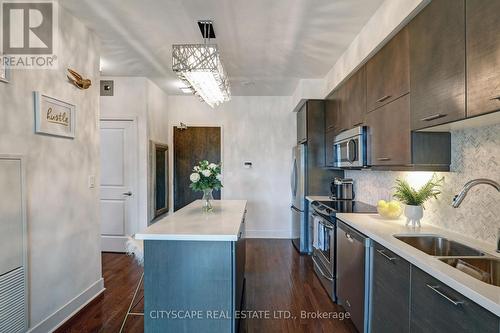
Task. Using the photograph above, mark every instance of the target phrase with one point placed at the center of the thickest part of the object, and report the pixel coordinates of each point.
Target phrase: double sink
(462, 257)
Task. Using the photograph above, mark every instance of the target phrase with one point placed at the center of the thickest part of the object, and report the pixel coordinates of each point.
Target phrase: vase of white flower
(207, 200)
(205, 178)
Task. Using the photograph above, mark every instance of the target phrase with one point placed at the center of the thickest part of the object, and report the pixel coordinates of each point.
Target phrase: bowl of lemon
(389, 210)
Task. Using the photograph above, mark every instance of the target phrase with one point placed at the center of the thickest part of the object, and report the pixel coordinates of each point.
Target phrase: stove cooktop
(330, 208)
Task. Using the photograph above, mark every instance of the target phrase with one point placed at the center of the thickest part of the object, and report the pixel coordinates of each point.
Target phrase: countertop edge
(468, 291)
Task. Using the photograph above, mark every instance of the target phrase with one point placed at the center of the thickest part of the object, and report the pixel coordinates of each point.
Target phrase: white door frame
(118, 243)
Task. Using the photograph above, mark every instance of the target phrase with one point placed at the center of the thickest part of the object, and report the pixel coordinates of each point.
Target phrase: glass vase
(207, 200)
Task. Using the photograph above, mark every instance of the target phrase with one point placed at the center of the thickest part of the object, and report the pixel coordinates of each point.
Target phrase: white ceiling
(266, 45)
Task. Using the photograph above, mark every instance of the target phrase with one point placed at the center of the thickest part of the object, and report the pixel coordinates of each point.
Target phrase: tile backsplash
(475, 154)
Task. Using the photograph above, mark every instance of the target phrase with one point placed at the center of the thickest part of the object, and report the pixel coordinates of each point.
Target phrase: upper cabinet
(332, 109)
(353, 102)
(387, 73)
(437, 64)
(483, 56)
(302, 124)
(389, 134)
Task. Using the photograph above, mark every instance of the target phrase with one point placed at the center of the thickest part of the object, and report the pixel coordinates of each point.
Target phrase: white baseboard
(59, 317)
(284, 234)
(114, 243)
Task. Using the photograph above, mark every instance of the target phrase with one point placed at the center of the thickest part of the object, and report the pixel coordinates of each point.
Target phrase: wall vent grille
(13, 314)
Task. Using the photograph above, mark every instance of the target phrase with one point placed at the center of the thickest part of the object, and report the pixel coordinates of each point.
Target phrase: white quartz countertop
(191, 224)
(382, 231)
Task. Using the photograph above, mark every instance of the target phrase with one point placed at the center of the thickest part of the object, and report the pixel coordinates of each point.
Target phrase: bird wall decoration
(78, 80)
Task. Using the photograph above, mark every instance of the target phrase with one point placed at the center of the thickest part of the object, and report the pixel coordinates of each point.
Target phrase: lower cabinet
(406, 299)
(390, 292)
(436, 307)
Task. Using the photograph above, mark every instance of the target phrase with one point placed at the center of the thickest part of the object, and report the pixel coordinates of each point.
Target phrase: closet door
(11, 218)
(13, 270)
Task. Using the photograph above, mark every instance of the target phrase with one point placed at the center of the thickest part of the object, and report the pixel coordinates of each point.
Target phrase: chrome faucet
(457, 200)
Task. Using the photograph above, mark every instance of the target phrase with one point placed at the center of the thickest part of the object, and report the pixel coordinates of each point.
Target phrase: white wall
(141, 99)
(62, 212)
(257, 129)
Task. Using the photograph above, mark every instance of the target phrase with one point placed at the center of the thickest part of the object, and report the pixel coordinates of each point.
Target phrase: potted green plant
(414, 199)
(205, 178)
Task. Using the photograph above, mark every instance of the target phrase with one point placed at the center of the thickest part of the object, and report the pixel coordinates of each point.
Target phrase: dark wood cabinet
(353, 101)
(302, 124)
(389, 133)
(437, 64)
(329, 156)
(332, 106)
(388, 72)
(483, 54)
(390, 292)
(436, 307)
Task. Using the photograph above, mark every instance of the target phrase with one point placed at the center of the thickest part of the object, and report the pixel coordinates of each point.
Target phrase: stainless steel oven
(324, 239)
(350, 148)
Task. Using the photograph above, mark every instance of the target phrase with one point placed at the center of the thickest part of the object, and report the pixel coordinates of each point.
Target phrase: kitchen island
(194, 268)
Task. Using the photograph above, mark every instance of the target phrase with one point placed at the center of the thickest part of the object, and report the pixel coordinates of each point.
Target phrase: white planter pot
(413, 215)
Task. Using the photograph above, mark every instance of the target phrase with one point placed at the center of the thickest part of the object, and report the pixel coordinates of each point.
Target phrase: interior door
(11, 219)
(118, 183)
(192, 145)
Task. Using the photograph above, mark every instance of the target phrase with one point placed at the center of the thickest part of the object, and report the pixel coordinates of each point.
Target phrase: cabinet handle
(349, 237)
(386, 256)
(434, 116)
(381, 99)
(383, 159)
(320, 270)
(446, 297)
(495, 98)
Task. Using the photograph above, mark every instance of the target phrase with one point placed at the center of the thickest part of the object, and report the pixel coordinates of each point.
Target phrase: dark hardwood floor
(277, 279)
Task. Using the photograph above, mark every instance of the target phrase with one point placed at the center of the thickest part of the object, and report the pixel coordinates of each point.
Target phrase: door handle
(383, 159)
(385, 255)
(446, 297)
(381, 99)
(349, 237)
(434, 117)
(128, 194)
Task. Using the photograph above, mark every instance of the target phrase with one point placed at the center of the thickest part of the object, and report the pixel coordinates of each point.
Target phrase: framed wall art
(54, 117)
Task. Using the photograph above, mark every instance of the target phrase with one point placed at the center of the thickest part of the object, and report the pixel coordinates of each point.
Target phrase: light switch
(91, 181)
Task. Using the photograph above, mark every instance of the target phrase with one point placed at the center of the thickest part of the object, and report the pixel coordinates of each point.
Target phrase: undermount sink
(439, 246)
(483, 269)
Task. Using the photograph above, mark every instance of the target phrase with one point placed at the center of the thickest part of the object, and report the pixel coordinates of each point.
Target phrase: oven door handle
(320, 270)
(326, 226)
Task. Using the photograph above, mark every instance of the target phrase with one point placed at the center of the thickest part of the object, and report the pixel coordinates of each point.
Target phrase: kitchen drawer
(436, 307)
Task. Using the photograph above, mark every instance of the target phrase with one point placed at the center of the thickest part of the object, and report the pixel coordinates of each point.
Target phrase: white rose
(219, 177)
(212, 166)
(206, 173)
(195, 177)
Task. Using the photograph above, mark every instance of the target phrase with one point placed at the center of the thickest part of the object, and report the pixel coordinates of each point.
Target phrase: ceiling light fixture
(199, 66)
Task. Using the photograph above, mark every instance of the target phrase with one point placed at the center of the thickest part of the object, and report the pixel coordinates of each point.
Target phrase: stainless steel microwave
(350, 148)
